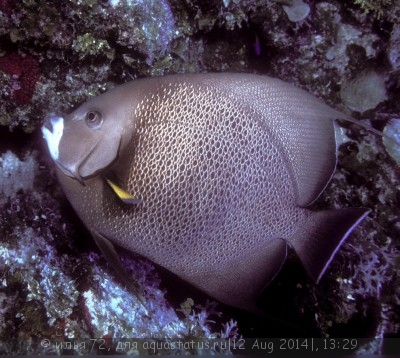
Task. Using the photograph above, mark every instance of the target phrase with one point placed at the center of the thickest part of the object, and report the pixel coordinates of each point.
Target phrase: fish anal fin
(124, 196)
(321, 235)
(108, 250)
(250, 276)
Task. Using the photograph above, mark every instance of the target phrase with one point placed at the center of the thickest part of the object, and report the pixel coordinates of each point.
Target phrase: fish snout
(52, 131)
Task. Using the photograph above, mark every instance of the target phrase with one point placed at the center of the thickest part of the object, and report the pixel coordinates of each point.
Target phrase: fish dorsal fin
(124, 196)
(301, 124)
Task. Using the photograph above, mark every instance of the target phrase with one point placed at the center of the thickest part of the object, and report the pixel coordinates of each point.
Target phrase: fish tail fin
(321, 236)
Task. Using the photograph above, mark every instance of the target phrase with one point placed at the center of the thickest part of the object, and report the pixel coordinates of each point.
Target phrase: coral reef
(55, 55)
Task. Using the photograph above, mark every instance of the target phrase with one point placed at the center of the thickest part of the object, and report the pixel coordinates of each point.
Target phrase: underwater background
(54, 284)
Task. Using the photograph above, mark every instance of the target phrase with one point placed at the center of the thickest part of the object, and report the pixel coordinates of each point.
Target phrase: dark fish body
(224, 165)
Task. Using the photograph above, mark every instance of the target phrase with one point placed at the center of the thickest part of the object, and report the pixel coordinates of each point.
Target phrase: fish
(207, 175)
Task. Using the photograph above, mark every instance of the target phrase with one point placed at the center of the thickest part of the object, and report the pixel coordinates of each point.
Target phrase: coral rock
(364, 92)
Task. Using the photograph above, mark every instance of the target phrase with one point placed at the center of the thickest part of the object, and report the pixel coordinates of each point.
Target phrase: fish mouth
(71, 172)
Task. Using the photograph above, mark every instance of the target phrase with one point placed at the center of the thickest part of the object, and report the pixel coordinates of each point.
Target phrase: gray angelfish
(207, 175)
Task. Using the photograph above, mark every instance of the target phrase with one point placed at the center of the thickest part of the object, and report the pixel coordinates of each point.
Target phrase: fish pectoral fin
(124, 196)
(108, 250)
(321, 235)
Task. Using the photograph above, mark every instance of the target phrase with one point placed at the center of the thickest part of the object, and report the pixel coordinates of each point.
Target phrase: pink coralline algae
(25, 73)
(5, 7)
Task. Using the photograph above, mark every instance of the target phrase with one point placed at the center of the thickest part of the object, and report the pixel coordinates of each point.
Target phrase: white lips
(53, 137)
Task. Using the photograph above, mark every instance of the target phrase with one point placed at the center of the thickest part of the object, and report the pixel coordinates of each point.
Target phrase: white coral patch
(53, 137)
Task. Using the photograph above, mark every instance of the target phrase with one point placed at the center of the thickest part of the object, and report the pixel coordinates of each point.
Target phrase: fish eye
(93, 119)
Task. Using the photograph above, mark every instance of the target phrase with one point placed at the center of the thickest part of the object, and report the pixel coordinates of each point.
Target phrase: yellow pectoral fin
(122, 194)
